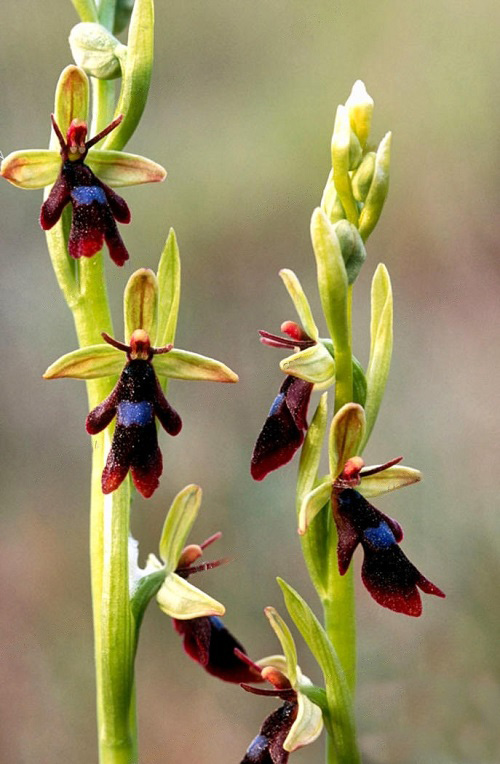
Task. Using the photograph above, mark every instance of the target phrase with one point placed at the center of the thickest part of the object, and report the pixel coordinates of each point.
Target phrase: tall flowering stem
(125, 380)
(334, 516)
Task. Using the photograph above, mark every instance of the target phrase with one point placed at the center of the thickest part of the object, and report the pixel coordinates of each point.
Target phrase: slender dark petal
(208, 642)
(54, 204)
(283, 430)
(267, 747)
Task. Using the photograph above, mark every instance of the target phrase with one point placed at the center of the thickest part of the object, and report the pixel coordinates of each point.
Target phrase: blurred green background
(241, 112)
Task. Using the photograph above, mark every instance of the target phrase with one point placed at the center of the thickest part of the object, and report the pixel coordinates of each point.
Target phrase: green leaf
(389, 480)
(308, 724)
(315, 542)
(169, 285)
(332, 278)
(379, 189)
(352, 247)
(89, 362)
(178, 523)
(31, 168)
(286, 640)
(380, 347)
(338, 696)
(117, 169)
(181, 364)
(346, 435)
(310, 454)
(140, 303)
(300, 301)
(71, 101)
(180, 599)
(359, 107)
(341, 162)
(136, 75)
(313, 502)
(314, 364)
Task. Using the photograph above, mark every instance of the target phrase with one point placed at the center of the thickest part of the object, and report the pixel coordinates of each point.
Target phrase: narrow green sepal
(286, 640)
(300, 301)
(359, 107)
(308, 724)
(340, 712)
(381, 334)
(310, 454)
(346, 435)
(140, 303)
(97, 51)
(89, 362)
(332, 277)
(362, 178)
(389, 480)
(136, 74)
(31, 168)
(178, 523)
(169, 285)
(312, 503)
(314, 364)
(379, 189)
(117, 169)
(71, 101)
(180, 599)
(353, 249)
(181, 364)
(330, 202)
(341, 163)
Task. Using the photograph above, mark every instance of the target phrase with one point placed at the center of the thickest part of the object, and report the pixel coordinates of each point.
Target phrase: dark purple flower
(286, 423)
(267, 747)
(206, 640)
(135, 401)
(95, 205)
(392, 580)
(284, 428)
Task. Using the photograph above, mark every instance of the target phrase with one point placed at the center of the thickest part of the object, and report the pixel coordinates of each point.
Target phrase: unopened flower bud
(362, 178)
(97, 51)
(360, 109)
(353, 249)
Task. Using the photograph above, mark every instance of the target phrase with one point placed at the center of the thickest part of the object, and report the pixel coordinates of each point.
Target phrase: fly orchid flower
(206, 640)
(85, 175)
(95, 205)
(136, 400)
(391, 579)
(283, 430)
(137, 397)
(298, 721)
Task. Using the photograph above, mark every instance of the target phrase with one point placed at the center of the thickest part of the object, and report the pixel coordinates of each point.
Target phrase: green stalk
(339, 603)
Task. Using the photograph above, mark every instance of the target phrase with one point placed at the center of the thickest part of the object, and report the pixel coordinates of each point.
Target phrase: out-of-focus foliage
(241, 112)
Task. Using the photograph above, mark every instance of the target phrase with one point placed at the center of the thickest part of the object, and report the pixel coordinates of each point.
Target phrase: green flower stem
(343, 362)
(103, 104)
